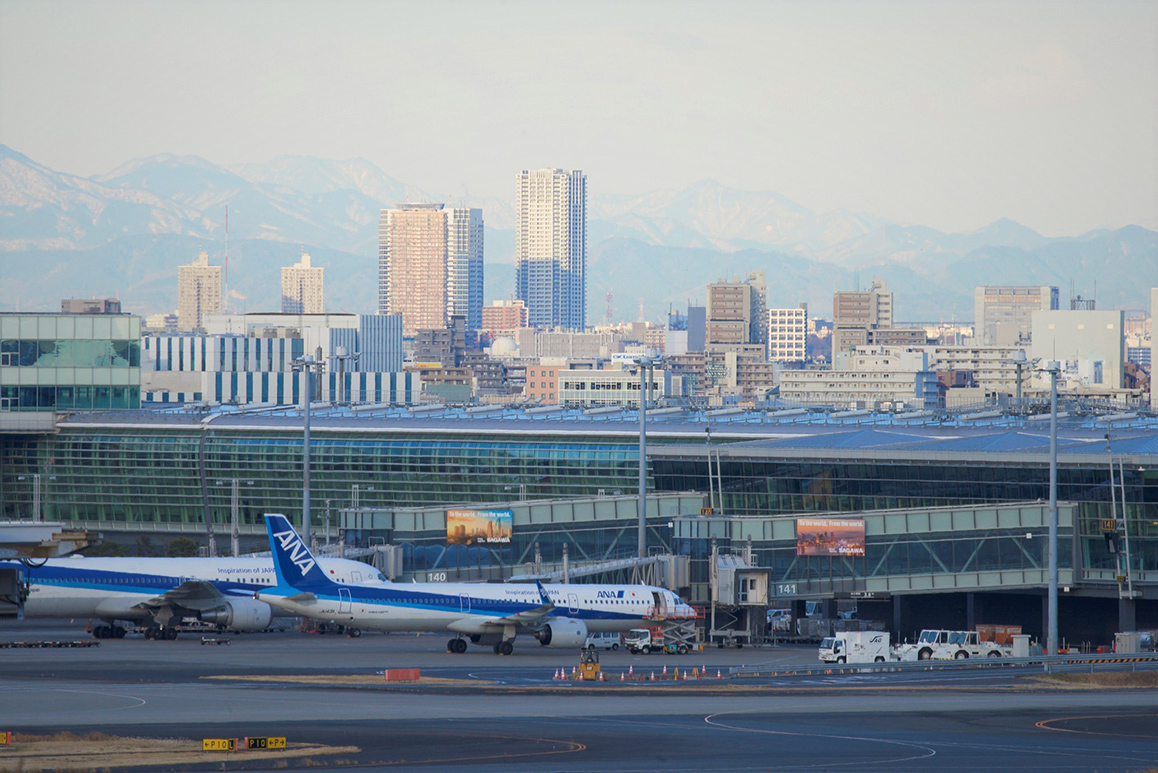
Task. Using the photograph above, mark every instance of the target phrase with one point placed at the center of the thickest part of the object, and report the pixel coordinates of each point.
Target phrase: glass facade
(761, 486)
(69, 362)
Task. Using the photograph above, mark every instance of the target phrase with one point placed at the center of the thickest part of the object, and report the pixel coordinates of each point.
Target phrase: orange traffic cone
(556, 676)
(652, 676)
(622, 677)
(718, 676)
(631, 670)
(600, 676)
(685, 676)
(665, 670)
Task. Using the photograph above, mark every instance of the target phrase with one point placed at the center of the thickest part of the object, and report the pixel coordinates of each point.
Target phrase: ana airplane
(556, 615)
(160, 592)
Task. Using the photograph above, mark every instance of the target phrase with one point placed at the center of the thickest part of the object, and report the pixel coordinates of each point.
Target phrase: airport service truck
(968, 644)
(856, 647)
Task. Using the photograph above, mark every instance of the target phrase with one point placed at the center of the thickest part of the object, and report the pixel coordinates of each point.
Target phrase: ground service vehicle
(604, 640)
(855, 647)
(967, 644)
(647, 640)
(924, 647)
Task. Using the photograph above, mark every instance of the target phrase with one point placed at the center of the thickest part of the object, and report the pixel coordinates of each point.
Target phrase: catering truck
(855, 647)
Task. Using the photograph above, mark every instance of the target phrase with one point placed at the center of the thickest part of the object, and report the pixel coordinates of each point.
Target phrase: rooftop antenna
(226, 304)
(641, 308)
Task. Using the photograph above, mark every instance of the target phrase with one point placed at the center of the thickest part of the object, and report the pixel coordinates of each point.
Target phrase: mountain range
(125, 232)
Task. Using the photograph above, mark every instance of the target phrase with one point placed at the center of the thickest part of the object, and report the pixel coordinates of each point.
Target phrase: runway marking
(574, 748)
(140, 701)
(1045, 725)
(931, 752)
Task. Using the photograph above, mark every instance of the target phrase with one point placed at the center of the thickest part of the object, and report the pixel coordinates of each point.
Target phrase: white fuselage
(112, 587)
(467, 607)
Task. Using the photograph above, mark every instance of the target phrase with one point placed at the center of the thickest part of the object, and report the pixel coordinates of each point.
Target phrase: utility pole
(1053, 368)
(307, 365)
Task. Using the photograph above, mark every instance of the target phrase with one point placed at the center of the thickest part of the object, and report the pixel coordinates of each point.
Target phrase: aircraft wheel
(452, 645)
(506, 648)
(459, 646)
(118, 632)
(150, 633)
(496, 647)
(353, 633)
(99, 632)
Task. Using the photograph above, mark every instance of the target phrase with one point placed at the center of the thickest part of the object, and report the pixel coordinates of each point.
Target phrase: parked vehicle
(967, 644)
(647, 640)
(605, 640)
(924, 647)
(855, 647)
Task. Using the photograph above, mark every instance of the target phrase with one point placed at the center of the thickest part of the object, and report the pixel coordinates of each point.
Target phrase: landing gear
(504, 648)
(353, 633)
(165, 633)
(457, 646)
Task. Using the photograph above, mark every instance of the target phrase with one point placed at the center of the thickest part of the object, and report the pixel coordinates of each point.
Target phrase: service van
(603, 641)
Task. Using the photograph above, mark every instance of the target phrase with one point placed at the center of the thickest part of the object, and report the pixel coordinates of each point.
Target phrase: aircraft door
(464, 604)
(572, 603)
(356, 577)
(659, 604)
(343, 601)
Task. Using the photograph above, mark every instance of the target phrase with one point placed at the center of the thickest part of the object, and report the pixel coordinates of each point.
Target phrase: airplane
(160, 592)
(556, 615)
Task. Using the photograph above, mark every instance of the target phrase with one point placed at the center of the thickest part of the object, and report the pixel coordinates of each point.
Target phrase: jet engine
(562, 633)
(240, 615)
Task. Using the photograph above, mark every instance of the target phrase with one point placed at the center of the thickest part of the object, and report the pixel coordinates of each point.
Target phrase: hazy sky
(948, 114)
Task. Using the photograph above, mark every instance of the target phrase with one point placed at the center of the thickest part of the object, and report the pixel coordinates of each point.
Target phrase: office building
(1087, 343)
(788, 334)
(855, 313)
(68, 362)
(90, 306)
(736, 311)
(504, 315)
(875, 377)
(1002, 314)
(199, 292)
(551, 247)
(584, 388)
(430, 265)
(303, 288)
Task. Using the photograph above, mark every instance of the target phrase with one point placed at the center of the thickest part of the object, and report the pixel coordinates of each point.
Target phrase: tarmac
(510, 713)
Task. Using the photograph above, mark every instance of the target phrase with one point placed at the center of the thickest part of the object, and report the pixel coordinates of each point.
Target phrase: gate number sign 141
(786, 589)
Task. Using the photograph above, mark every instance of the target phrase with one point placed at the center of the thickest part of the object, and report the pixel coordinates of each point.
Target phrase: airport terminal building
(953, 506)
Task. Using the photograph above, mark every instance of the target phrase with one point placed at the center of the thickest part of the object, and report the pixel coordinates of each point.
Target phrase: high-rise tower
(198, 292)
(551, 247)
(303, 288)
(430, 265)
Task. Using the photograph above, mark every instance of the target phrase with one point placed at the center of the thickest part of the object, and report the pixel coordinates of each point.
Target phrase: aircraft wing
(196, 595)
(530, 618)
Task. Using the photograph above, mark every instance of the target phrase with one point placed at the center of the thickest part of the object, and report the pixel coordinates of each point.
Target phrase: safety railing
(1048, 663)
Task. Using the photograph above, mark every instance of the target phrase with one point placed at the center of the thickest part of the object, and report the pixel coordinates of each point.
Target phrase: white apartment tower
(1002, 315)
(199, 291)
(430, 265)
(788, 334)
(303, 288)
(551, 247)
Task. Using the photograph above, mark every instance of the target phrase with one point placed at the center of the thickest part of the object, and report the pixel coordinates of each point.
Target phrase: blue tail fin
(292, 560)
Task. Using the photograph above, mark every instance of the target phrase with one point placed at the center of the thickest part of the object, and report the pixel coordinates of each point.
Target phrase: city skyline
(949, 115)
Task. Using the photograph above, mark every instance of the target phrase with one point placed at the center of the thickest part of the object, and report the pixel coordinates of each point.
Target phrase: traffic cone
(631, 670)
(556, 676)
(652, 676)
(665, 669)
(685, 676)
(622, 677)
(600, 676)
(718, 674)
(574, 672)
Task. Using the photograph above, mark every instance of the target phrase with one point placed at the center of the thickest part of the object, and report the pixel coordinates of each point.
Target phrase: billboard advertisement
(829, 537)
(478, 527)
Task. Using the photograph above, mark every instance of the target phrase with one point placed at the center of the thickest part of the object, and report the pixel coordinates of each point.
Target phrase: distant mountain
(127, 230)
(44, 209)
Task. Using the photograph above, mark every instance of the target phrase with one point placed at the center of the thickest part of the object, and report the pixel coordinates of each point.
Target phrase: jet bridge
(32, 542)
(739, 596)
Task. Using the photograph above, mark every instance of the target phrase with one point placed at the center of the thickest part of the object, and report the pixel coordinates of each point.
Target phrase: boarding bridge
(32, 542)
(739, 598)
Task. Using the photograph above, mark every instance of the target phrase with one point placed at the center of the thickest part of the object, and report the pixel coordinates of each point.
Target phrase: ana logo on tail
(291, 543)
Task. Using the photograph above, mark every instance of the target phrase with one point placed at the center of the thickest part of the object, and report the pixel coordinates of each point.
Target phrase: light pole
(647, 367)
(307, 365)
(1053, 368)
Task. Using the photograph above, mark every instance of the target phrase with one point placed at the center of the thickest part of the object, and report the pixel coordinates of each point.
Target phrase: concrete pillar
(830, 608)
(970, 611)
(1127, 615)
(898, 618)
(1045, 620)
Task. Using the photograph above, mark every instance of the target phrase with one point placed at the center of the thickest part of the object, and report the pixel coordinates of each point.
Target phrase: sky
(946, 114)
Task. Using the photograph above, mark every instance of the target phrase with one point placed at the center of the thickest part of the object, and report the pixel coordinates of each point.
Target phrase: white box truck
(855, 647)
